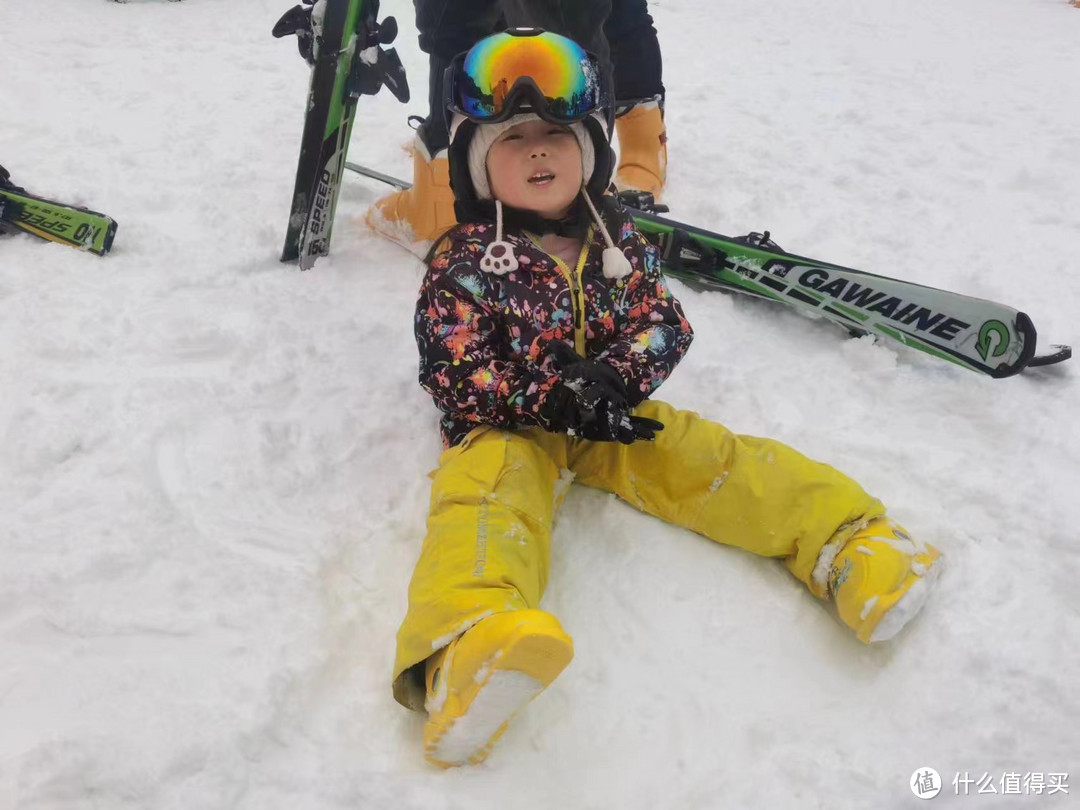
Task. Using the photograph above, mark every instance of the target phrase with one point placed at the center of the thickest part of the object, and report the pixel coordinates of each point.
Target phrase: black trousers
(619, 32)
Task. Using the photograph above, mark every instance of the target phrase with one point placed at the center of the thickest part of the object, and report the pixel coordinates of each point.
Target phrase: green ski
(974, 333)
(341, 40)
(58, 222)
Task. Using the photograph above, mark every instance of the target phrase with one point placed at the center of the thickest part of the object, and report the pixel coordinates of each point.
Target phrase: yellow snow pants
(494, 496)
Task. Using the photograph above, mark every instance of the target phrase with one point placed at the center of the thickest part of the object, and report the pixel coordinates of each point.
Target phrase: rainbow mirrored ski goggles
(527, 70)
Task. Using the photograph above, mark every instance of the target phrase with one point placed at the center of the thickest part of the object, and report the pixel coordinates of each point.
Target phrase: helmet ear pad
(458, 157)
(604, 165)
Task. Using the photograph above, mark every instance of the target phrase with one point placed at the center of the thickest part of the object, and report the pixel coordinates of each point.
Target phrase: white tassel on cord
(616, 265)
(499, 257)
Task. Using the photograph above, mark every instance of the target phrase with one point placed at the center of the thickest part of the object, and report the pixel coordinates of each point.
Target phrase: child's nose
(538, 147)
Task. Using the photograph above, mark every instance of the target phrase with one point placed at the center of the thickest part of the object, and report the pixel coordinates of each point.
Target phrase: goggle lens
(559, 69)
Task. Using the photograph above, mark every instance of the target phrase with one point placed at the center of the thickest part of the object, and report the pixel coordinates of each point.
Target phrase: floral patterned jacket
(484, 338)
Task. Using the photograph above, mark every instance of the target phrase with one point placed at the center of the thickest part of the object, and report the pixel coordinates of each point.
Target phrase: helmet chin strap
(499, 256)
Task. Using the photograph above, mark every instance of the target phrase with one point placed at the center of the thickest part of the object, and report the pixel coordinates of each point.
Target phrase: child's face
(536, 166)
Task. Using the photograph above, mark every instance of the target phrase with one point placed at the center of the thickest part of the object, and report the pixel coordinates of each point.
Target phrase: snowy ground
(213, 468)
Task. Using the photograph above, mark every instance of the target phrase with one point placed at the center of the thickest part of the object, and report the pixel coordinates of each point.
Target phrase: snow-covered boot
(423, 212)
(880, 579)
(642, 149)
(485, 677)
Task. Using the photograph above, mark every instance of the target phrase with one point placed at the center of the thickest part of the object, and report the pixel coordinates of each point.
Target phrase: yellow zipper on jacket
(573, 278)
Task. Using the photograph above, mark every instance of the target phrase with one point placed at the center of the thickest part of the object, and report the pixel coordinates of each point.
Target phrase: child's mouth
(542, 179)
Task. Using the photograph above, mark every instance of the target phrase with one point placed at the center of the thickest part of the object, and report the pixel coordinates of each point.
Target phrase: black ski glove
(590, 402)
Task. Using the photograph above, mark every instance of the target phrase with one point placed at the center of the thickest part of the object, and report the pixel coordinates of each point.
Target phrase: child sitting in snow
(543, 328)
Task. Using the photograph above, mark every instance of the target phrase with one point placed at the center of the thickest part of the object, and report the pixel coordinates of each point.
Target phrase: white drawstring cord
(499, 257)
(616, 265)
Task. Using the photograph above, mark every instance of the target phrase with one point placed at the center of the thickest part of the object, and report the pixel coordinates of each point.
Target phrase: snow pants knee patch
(487, 549)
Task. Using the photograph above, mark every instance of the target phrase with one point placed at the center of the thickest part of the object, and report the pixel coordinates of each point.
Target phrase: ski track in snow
(213, 469)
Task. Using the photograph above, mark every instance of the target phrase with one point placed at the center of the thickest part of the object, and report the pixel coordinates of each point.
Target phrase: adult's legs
(635, 51)
(639, 91)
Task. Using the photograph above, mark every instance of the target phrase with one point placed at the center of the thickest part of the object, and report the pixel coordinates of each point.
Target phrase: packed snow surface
(213, 468)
